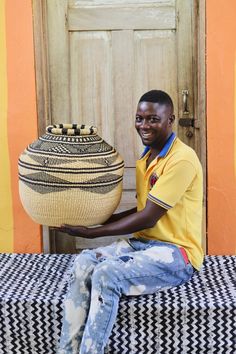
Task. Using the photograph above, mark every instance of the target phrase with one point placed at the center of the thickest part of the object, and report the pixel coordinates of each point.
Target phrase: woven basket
(70, 175)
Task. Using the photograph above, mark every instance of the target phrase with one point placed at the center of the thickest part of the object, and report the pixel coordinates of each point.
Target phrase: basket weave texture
(70, 175)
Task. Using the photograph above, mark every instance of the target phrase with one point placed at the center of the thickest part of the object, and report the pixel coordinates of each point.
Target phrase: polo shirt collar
(165, 148)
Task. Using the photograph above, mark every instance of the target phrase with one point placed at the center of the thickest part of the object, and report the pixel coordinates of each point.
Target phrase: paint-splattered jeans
(102, 275)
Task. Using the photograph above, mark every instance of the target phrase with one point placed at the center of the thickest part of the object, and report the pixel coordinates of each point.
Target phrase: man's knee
(84, 263)
(107, 272)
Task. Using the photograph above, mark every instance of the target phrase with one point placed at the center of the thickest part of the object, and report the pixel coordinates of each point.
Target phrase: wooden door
(101, 56)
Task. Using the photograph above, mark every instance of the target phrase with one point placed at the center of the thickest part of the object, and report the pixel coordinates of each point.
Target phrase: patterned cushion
(198, 317)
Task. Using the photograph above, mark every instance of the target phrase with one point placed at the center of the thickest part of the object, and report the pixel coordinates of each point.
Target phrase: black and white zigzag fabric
(198, 317)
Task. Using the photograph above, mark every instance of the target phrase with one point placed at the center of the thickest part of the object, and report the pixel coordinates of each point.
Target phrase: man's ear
(172, 118)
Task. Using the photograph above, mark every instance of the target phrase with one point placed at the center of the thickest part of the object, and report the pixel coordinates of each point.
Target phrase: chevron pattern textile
(198, 317)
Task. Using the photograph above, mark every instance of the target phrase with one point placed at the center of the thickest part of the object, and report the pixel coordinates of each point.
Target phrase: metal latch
(186, 122)
(189, 122)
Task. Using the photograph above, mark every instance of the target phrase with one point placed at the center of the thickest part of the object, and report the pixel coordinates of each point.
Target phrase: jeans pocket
(142, 244)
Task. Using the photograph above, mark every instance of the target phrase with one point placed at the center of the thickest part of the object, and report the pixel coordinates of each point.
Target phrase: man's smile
(146, 134)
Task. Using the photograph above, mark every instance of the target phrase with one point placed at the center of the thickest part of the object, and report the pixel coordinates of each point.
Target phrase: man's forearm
(129, 224)
(118, 216)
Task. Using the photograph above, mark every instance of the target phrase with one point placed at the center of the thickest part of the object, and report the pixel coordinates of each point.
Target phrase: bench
(198, 317)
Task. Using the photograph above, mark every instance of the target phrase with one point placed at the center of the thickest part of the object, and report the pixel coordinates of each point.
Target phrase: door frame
(43, 96)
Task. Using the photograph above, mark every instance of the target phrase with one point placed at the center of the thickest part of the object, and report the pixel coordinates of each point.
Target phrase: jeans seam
(152, 275)
(101, 341)
(131, 245)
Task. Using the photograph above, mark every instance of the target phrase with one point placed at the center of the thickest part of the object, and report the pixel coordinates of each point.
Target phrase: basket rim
(71, 129)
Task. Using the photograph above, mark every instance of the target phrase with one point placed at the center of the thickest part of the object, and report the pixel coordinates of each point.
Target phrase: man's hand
(81, 231)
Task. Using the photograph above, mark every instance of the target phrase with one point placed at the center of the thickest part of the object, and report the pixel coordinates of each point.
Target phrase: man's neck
(156, 149)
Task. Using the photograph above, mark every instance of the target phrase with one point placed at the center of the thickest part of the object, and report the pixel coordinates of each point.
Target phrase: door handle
(186, 121)
(185, 101)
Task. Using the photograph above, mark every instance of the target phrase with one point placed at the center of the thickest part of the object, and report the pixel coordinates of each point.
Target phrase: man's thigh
(116, 248)
(157, 267)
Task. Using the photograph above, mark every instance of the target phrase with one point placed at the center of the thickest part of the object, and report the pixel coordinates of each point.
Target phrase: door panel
(159, 15)
(87, 100)
(155, 53)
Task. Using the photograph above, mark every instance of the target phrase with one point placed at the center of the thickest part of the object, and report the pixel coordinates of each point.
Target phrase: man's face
(154, 123)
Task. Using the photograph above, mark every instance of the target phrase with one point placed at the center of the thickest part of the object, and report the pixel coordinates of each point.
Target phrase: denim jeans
(100, 276)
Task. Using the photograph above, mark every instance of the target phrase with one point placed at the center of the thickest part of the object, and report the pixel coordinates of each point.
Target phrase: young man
(166, 245)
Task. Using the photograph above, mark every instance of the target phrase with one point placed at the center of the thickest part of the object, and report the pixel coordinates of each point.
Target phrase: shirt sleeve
(172, 184)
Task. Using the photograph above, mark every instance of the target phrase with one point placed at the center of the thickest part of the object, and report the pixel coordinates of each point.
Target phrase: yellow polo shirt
(174, 181)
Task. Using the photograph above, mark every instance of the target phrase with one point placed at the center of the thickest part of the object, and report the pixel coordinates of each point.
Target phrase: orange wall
(221, 125)
(20, 120)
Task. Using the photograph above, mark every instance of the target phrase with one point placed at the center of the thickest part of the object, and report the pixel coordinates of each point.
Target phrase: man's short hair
(157, 96)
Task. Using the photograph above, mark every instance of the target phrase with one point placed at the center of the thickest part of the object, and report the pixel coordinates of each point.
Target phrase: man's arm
(134, 222)
(118, 216)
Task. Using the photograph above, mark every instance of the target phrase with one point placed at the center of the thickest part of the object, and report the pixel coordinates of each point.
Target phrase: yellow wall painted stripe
(235, 117)
(234, 133)
(6, 217)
